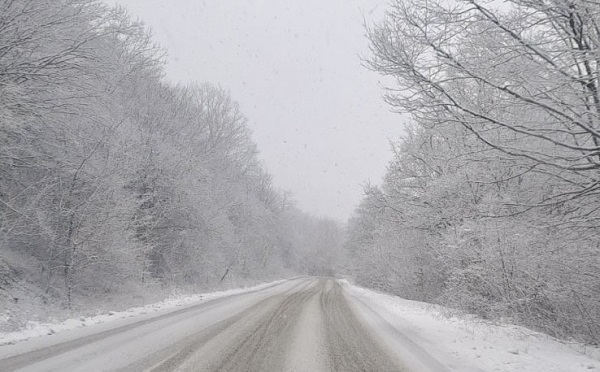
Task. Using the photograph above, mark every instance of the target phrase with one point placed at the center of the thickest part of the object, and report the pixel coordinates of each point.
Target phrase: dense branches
(524, 80)
(491, 201)
(112, 180)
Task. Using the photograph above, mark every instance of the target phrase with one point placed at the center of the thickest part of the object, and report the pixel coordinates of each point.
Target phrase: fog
(146, 174)
(317, 114)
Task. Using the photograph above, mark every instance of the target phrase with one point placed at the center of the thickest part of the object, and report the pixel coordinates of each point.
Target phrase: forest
(491, 202)
(117, 186)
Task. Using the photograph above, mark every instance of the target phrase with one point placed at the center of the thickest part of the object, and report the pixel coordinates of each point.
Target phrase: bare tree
(490, 203)
(522, 78)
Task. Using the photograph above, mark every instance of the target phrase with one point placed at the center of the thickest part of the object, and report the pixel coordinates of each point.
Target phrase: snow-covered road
(299, 325)
(303, 324)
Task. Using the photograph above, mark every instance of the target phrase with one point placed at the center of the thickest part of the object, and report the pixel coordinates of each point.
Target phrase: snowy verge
(426, 337)
(120, 318)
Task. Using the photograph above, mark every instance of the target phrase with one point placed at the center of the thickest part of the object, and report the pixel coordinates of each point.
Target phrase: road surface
(305, 324)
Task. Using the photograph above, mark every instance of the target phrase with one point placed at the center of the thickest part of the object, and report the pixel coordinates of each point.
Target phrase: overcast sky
(317, 115)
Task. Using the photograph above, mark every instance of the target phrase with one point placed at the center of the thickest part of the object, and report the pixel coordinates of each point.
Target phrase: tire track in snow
(308, 325)
(235, 344)
(352, 347)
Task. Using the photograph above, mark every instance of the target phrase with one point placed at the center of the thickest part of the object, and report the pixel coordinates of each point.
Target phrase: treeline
(491, 203)
(114, 181)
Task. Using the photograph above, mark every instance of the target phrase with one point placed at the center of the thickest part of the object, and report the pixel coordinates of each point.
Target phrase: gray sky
(317, 115)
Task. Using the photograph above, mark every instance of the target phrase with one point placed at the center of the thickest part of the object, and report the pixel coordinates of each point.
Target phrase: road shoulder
(428, 339)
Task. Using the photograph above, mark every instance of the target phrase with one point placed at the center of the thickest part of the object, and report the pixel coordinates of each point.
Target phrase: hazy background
(318, 118)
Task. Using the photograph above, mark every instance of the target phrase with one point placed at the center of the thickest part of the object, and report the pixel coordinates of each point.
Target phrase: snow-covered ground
(119, 318)
(421, 335)
(427, 339)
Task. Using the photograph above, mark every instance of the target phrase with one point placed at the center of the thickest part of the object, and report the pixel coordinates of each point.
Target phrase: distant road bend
(303, 324)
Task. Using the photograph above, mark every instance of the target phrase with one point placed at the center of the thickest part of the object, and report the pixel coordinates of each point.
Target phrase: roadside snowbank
(37, 329)
(423, 333)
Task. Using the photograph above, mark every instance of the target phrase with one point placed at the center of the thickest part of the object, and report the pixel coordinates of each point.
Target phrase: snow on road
(43, 333)
(308, 341)
(254, 331)
(304, 324)
(428, 340)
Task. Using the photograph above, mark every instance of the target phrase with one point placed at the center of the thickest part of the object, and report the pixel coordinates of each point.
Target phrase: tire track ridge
(22, 360)
(189, 346)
